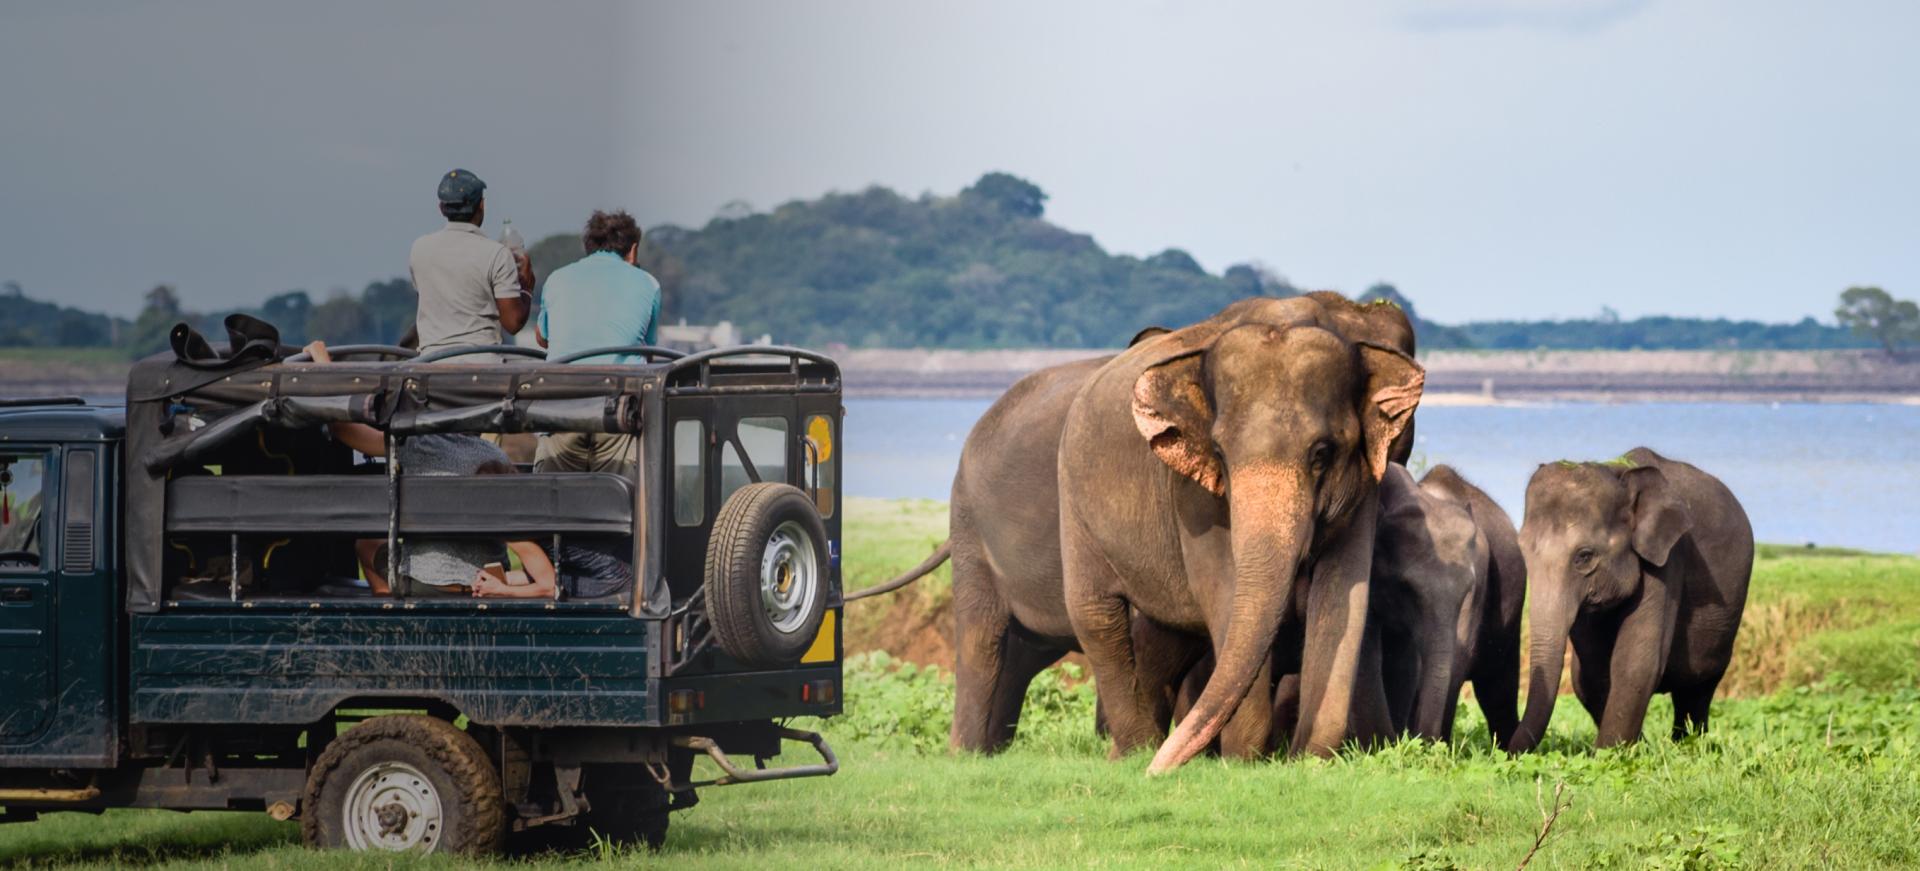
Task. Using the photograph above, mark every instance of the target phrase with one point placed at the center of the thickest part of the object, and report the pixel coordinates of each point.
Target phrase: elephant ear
(1148, 333)
(1659, 517)
(1171, 409)
(1394, 384)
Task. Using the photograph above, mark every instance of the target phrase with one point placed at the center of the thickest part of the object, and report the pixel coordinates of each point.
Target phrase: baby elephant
(1643, 563)
(1448, 582)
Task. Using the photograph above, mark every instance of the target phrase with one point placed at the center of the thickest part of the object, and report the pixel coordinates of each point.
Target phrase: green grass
(1819, 769)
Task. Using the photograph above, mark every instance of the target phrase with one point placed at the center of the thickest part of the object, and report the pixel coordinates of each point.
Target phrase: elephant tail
(922, 570)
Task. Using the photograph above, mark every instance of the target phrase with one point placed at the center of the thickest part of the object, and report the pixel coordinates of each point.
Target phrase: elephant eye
(1583, 559)
(1319, 456)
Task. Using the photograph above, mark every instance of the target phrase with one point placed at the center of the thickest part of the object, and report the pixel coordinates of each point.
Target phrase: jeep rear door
(27, 568)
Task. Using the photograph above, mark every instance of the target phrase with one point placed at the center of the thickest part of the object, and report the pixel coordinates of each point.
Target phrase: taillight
(819, 692)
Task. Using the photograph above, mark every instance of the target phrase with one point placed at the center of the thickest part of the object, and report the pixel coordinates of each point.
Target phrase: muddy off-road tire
(405, 783)
(767, 575)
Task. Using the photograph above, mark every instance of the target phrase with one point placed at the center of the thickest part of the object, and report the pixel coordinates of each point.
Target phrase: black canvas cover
(438, 506)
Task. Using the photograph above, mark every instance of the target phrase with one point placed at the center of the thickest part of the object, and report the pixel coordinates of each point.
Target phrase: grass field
(1815, 762)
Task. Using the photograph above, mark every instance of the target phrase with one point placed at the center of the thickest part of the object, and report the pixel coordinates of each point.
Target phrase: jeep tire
(406, 783)
(767, 575)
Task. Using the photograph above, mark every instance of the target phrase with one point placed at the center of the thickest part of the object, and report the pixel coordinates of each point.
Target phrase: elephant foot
(1124, 747)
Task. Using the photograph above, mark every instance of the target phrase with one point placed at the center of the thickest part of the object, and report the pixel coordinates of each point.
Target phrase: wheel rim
(788, 575)
(392, 806)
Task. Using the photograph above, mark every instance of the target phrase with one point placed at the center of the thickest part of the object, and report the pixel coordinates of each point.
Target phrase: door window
(765, 441)
(689, 473)
(22, 513)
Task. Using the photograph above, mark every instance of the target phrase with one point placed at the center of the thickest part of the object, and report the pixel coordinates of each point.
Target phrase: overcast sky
(1494, 158)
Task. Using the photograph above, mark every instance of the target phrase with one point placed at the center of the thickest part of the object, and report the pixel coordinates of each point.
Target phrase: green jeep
(185, 624)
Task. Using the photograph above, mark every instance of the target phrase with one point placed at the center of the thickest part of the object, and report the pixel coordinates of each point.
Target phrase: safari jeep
(184, 624)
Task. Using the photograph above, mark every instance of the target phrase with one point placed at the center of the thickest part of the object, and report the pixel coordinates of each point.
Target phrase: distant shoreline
(1456, 378)
(1473, 377)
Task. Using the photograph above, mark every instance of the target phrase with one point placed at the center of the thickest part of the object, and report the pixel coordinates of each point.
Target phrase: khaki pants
(587, 452)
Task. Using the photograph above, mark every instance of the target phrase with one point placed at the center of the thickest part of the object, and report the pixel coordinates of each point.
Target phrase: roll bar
(650, 351)
(469, 350)
(793, 354)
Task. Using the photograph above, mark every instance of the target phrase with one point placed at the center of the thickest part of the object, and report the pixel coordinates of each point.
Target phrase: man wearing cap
(471, 287)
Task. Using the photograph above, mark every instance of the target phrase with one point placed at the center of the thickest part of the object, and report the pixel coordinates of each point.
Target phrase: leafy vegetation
(32, 323)
(981, 268)
(1812, 765)
(1873, 313)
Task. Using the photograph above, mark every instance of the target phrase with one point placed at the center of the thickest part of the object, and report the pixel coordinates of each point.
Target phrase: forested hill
(983, 268)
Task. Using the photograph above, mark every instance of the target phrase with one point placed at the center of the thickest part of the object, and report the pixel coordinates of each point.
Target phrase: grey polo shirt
(459, 273)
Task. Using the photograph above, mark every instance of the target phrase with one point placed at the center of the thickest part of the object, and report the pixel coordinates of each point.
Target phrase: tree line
(982, 268)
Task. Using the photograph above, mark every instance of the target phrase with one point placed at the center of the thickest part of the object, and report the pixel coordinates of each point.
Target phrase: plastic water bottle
(511, 237)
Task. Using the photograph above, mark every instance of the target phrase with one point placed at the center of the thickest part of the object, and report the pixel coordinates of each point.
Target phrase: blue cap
(461, 188)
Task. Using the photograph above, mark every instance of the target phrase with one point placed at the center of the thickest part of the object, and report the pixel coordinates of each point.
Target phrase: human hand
(317, 350)
(526, 270)
(485, 585)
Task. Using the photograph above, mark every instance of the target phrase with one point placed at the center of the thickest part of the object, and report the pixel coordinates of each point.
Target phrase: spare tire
(767, 575)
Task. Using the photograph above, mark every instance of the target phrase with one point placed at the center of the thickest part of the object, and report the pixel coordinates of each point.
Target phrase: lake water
(1842, 475)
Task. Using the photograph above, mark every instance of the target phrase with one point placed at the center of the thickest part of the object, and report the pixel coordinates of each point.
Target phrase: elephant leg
(1690, 709)
(1103, 623)
(981, 622)
(1247, 732)
(1639, 659)
(1496, 687)
(1021, 657)
(1286, 711)
(1164, 657)
(1191, 685)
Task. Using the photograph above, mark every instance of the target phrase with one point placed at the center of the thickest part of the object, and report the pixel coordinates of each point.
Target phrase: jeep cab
(184, 622)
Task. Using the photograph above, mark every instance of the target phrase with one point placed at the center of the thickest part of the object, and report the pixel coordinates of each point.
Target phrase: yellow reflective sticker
(820, 432)
(822, 648)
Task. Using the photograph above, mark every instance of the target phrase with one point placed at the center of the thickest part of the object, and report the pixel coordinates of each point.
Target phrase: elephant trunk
(1437, 655)
(1550, 611)
(1272, 516)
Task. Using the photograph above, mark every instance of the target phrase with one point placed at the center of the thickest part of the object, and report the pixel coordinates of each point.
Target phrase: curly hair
(610, 231)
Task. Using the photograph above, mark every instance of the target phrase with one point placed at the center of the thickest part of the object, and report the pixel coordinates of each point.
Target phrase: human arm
(357, 436)
(367, 550)
(653, 322)
(540, 327)
(511, 278)
(541, 580)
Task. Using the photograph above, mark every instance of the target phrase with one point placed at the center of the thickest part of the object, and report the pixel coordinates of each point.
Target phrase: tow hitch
(735, 774)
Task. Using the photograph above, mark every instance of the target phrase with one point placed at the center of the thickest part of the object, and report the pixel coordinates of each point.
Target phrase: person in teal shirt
(602, 300)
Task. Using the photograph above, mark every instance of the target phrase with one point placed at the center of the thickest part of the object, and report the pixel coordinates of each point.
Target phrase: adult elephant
(1010, 613)
(1207, 477)
(1642, 563)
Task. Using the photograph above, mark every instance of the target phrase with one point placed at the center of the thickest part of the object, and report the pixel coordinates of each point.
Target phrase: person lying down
(455, 567)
